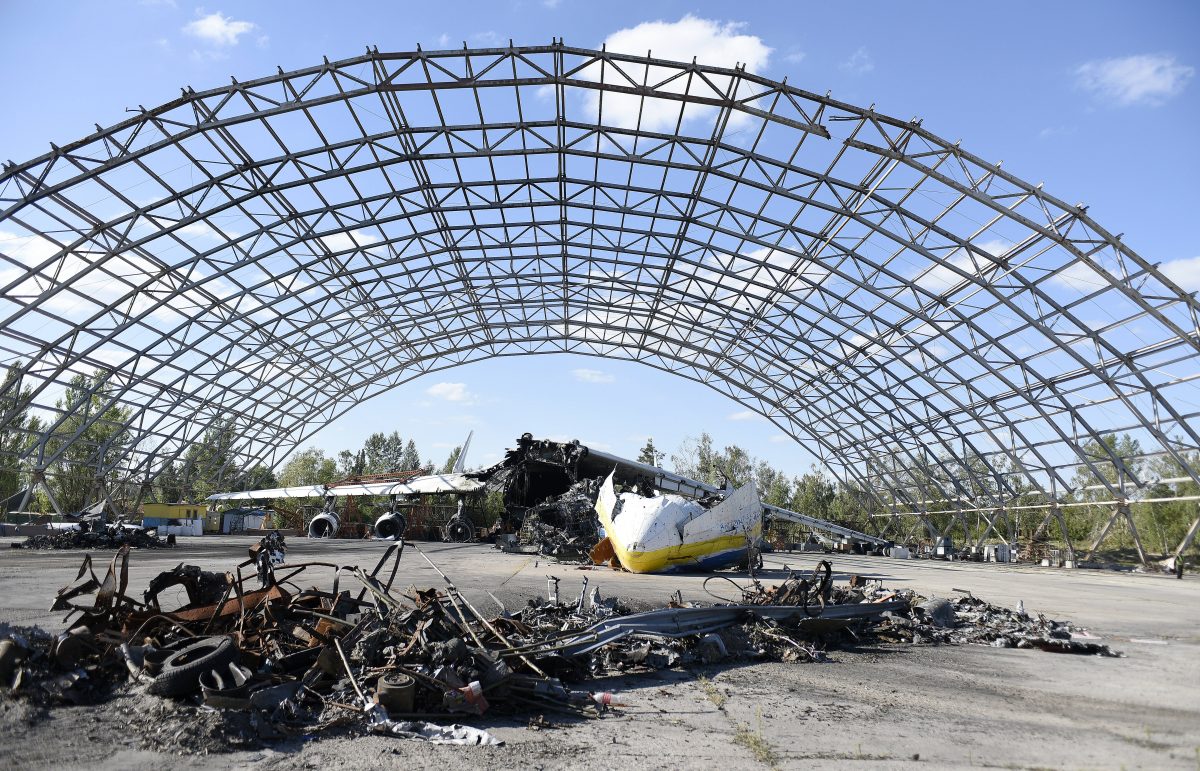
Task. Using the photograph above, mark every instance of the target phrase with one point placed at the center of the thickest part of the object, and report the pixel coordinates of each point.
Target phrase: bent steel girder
(274, 252)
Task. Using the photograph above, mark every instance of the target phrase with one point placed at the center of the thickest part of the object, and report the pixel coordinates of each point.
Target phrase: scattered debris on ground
(280, 661)
(97, 536)
(971, 621)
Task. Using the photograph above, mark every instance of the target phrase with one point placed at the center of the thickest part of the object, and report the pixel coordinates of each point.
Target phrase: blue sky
(1098, 100)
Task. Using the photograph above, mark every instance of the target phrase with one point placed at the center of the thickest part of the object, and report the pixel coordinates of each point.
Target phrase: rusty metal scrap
(287, 660)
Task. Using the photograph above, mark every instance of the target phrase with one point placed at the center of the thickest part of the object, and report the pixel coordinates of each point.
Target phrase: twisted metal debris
(280, 661)
(97, 536)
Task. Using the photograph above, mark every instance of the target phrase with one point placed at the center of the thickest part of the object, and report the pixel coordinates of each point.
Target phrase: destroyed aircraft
(558, 496)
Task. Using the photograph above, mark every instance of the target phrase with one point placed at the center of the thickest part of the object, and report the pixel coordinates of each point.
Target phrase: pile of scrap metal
(536, 471)
(97, 535)
(967, 620)
(564, 527)
(300, 661)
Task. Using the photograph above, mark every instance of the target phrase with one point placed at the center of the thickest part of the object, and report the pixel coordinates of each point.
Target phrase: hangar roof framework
(276, 251)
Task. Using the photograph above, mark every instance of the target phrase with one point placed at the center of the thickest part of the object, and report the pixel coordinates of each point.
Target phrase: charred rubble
(277, 660)
(97, 535)
(564, 527)
(536, 471)
(549, 492)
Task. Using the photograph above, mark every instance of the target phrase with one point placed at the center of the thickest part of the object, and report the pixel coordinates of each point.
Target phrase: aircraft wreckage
(567, 500)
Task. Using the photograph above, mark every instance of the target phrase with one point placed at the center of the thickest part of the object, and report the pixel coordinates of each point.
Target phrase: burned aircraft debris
(98, 536)
(652, 534)
(282, 660)
(564, 527)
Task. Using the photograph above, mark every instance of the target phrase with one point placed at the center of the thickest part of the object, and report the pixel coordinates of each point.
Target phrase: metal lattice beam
(277, 251)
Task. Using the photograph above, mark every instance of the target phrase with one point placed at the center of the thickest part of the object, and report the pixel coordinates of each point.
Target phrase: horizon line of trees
(211, 461)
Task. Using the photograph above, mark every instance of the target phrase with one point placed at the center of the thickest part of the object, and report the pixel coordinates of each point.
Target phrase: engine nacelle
(324, 525)
(391, 526)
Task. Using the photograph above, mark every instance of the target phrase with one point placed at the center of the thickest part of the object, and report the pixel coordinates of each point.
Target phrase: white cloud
(1185, 273)
(1055, 131)
(1143, 79)
(780, 438)
(208, 55)
(451, 392)
(794, 56)
(443, 40)
(98, 289)
(1080, 278)
(27, 250)
(551, 4)
(347, 241)
(217, 29)
(860, 62)
(711, 42)
(204, 230)
(941, 278)
(592, 376)
(745, 415)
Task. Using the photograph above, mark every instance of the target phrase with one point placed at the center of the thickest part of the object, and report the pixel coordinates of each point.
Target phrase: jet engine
(391, 525)
(324, 525)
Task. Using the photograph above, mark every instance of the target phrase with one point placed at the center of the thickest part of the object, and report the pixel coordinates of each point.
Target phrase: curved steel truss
(276, 251)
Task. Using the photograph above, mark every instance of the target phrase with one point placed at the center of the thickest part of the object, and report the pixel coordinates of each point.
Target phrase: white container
(185, 527)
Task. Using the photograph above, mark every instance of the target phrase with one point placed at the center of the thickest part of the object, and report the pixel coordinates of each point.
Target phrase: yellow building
(164, 511)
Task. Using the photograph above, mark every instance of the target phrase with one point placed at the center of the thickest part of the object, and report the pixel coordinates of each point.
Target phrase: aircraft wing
(454, 482)
(303, 491)
(426, 485)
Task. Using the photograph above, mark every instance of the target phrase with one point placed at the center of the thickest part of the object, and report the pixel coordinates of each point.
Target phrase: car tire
(180, 673)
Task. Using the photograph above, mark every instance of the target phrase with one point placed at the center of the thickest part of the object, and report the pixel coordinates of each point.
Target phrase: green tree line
(211, 464)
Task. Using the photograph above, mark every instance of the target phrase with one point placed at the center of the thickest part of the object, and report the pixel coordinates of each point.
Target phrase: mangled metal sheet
(633, 472)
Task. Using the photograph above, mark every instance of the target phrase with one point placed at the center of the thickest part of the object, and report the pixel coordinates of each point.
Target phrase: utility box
(212, 521)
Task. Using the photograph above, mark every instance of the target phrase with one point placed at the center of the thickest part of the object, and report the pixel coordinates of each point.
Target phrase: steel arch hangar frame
(276, 251)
